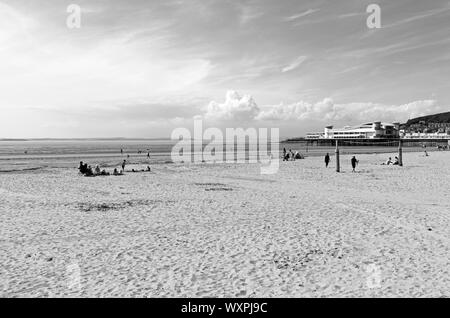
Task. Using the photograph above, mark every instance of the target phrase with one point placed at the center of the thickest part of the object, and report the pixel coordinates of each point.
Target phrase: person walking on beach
(327, 160)
(354, 162)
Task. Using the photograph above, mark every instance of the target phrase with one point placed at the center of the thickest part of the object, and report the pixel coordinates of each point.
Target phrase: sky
(141, 68)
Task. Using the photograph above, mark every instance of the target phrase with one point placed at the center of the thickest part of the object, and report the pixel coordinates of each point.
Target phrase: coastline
(23, 162)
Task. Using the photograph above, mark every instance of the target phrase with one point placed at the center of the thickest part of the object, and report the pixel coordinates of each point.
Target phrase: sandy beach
(228, 231)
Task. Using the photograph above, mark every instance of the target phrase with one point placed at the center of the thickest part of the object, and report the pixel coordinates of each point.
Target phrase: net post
(338, 166)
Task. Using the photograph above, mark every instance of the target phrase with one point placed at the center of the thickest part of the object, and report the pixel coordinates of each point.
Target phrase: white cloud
(130, 59)
(420, 16)
(68, 70)
(244, 109)
(299, 111)
(328, 112)
(390, 113)
(300, 15)
(13, 24)
(235, 107)
(249, 13)
(294, 64)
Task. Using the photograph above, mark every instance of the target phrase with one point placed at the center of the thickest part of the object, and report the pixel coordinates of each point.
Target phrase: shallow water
(33, 155)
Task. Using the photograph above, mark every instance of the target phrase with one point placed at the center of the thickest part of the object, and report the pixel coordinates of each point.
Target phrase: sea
(35, 155)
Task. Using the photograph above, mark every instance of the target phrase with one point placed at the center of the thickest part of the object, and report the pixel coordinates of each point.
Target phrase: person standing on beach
(121, 151)
(354, 162)
(327, 160)
(123, 165)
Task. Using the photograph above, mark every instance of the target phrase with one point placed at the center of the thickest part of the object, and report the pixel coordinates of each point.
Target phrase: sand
(228, 231)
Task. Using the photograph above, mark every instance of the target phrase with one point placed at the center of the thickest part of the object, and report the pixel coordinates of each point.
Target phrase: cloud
(70, 70)
(300, 15)
(390, 113)
(328, 112)
(249, 13)
(420, 16)
(244, 109)
(351, 15)
(133, 58)
(13, 24)
(299, 111)
(294, 64)
(235, 108)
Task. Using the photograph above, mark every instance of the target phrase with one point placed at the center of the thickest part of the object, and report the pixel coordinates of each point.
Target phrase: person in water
(354, 162)
(327, 160)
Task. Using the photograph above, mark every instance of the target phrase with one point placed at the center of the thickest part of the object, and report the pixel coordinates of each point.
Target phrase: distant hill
(437, 118)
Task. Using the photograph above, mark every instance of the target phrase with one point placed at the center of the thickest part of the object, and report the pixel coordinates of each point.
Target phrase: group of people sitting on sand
(87, 170)
(142, 170)
(291, 156)
(396, 162)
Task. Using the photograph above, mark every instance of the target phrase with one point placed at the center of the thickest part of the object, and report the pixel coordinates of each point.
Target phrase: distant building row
(423, 127)
(423, 124)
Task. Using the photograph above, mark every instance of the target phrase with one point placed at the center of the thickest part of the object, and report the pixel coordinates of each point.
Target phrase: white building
(364, 131)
